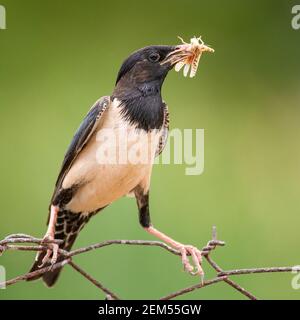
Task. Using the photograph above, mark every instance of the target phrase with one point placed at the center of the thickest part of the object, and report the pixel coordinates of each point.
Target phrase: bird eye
(154, 57)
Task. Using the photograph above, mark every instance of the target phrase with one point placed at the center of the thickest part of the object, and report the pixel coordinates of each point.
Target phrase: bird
(90, 178)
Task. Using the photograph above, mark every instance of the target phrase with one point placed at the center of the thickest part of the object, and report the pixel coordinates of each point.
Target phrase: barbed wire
(20, 242)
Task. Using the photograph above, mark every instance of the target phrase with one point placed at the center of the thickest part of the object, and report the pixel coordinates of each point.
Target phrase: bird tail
(67, 227)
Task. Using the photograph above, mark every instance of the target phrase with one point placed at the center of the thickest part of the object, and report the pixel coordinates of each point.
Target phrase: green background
(58, 57)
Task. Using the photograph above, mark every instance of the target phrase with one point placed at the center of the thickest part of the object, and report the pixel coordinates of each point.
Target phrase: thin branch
(123, 242)
(33, 274)
(192, 288)
(229, 281)
(23, 242)
(94, 281)
(258, 270)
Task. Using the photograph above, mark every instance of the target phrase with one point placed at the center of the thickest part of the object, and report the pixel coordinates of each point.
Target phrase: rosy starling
(96, 169)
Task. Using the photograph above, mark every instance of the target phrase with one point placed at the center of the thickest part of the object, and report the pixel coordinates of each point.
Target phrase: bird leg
(185, 250)
(142, 198)
(49, 236)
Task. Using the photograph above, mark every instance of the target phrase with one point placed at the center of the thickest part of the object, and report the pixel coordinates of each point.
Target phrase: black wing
(164, 136)
(81, 137)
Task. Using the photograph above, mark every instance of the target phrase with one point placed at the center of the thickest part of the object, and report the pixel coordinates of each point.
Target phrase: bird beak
(187, 55)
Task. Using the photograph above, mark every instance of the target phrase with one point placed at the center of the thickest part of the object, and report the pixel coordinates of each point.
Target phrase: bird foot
(185, 251)
(52, 251)
(196, 256)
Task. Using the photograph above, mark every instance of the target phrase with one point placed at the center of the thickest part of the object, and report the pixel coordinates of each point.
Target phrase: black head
(145, 65)
(139, 83)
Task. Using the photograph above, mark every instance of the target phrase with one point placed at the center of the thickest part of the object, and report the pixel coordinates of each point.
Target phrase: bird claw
(51, 251)
(196, 255)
